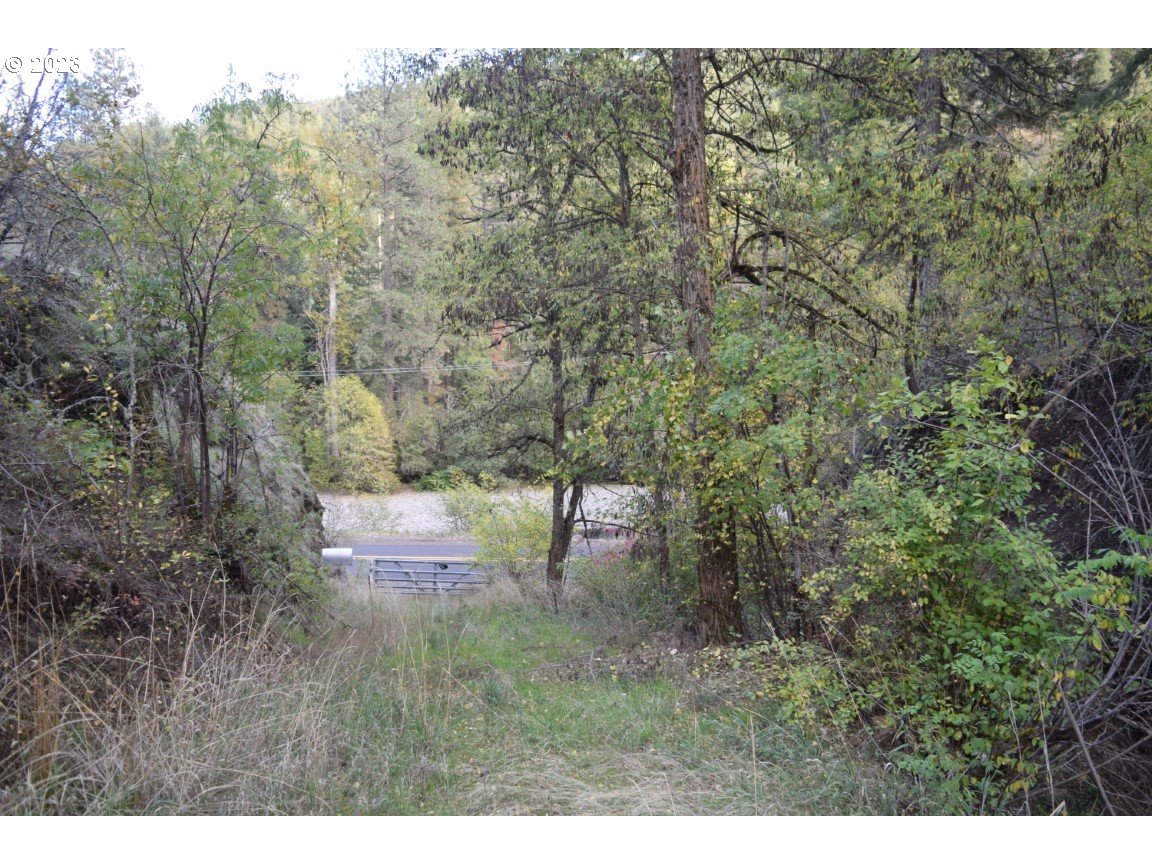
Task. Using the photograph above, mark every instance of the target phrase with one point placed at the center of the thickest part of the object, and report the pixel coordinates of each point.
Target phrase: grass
(413, 706)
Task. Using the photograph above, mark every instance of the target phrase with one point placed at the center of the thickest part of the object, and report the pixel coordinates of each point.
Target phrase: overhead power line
(454, 367)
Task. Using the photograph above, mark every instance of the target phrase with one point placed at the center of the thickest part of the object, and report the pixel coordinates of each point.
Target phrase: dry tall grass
(245, 724)
(407, 705)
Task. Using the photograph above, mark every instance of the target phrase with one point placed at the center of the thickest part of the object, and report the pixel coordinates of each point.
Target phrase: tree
(550, 267)
(716, 566)
(366, 461)
(192, 218)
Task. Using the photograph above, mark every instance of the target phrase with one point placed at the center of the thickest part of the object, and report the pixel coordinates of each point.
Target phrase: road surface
(384, 547)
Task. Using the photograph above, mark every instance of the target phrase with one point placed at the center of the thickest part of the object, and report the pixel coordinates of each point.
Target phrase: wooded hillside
(870, 330)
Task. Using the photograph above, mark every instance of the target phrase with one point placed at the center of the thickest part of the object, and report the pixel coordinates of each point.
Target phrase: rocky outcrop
(273, 483)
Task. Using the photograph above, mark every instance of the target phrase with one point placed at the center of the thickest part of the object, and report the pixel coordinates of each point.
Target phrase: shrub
(417, 434)
(359, 456)
(618, 597)
(443, 480)
(464, 506)
(513, 535)
(953, 613)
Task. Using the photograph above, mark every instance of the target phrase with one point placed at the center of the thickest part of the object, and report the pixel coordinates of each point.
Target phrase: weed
(422, 705)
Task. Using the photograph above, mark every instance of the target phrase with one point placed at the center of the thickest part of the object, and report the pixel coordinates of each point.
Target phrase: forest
(867, 333)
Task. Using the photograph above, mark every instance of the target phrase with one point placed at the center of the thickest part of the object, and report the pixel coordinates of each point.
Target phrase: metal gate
(437, 576)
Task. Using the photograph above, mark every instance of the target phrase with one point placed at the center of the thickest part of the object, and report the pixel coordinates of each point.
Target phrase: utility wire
(385, 370)
(456, 367)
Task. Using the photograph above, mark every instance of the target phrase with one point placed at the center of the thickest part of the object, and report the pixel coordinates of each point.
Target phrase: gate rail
(421, 575)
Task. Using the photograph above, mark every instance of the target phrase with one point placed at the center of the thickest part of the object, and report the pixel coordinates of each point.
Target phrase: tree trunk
(925, 287)
(205, 452)
(561, 535)
(330, 328)
(690, 178)
(716, 564)
(185, 467)
(329, 361)
(387, 287)
(563, 523)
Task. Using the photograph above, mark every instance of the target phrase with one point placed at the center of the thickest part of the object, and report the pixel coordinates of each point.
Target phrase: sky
(182, 51)
(174, 79)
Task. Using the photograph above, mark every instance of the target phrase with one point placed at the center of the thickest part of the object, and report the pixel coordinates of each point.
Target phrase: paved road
(449, 547)
(383, 547)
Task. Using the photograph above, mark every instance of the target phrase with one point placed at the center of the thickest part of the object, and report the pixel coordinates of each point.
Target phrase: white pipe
(339, 557)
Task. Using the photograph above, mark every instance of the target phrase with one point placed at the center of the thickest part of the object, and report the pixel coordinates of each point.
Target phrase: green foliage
(358, 454)
(806, 679)
(619, 598)
(874, 212)
(417, 429)
(455, 477)
(465, 505)
(513, 534)
(442, 480)
(953, 609)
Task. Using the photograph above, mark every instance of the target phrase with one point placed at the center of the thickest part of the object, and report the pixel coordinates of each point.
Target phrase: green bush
(454, 477)
(514, 536)
(418, 434)
(464, 506)
(359, 456)
(618, 597)
(341, 431)
(443, 480)
(953, 613)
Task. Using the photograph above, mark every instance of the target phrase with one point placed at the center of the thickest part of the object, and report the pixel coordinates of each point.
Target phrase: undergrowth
(414, 706)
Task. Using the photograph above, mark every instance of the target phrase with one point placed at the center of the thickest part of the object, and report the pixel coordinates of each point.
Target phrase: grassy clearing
(501, 708)
(413, 706)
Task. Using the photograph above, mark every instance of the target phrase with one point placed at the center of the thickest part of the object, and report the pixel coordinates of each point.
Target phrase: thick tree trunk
(716, 564)
(690, 178)
(929, 102)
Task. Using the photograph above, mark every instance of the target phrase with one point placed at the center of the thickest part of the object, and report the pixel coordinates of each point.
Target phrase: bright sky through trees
(175, 78)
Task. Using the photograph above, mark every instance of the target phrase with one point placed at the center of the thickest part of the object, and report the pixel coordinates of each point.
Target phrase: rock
(272, 480)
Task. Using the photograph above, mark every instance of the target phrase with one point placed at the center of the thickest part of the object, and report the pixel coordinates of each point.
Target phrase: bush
(514, 537)
(417, 434)
(953, 614)
(443, 480)
(454, 477)
(465, 505)
(359, 454)
(618, 597)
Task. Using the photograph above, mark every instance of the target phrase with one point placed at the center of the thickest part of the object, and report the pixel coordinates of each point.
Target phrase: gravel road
(421, 514)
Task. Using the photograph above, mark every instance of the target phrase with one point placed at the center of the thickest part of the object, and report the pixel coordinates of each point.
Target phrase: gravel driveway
(421, 514)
